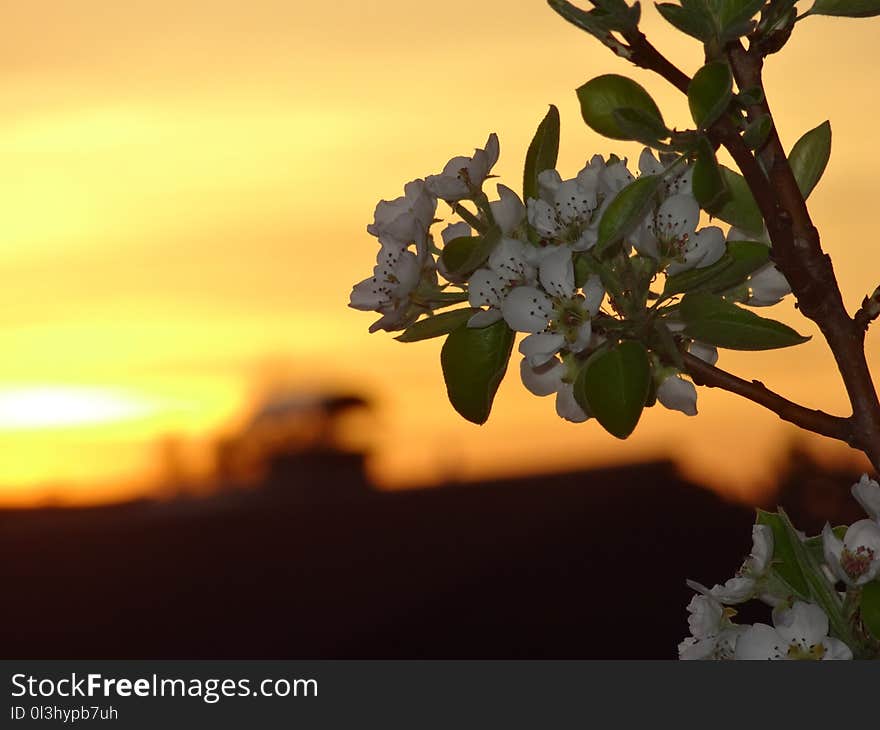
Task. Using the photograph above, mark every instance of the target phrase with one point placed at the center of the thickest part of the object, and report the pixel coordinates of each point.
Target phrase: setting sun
(54, 406)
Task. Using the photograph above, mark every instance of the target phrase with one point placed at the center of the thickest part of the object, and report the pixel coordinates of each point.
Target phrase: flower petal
(527, 309)
(542, 217)
(594, 293)
(804, 624)
(768, 286)
(543, 380)
(759, 641)
(836, 649)
(677, 217)
(541, 347)
(762, 549)
(484, 318)
(557, 273)
(738, 589)
(867, 493)
(508, 259)
(706, 353)
(455, 230)
(508, 210)
(486, 288)
(648, 164)
(832, 547)
(548, 183)
(678, 394)
(705, 616)
(567, 407)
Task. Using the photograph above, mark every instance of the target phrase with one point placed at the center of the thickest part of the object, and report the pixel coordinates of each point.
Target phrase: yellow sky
(184, 192)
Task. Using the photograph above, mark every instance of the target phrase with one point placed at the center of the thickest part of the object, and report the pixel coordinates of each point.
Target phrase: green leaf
(785, 562)
(626, 210)
(583, 269)
(640, 126)
(846, 8)
(870, 607)
(741, 209)
(715, 321)
(735, 17)
(436, 325)
(474, 361)
(709, 185)
(741, 259)
(821, 590)
(601, 96)
(738, 11)
(695, 24)
(608, 15)
(747, 257)
(809, 157)
(542, 152)
(662, 342)
(464, 255)
(614, 385)
(710, 92)
(758, 131)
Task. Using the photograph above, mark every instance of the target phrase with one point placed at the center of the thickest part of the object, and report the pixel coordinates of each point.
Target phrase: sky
(184, 190)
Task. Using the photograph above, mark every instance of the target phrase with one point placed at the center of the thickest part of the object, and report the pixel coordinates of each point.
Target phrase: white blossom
(749, 579)
(512, 259)
(486, 288)
(703, 248)
(508, 211)
(555, 314)
(798, 633)
(455, 230)
(568, 211)
(544, 379)
(666, 231)
(567, 406)
(679, 181)
(767, 285)
(508, 267)
(706, 353)
(678, 394)
(867, 493)
(713, 635)
(395, 276)
(405, 220)
(856, 559)
(463, 177)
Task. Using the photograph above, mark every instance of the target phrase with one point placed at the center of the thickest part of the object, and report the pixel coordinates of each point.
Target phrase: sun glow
(54, 406)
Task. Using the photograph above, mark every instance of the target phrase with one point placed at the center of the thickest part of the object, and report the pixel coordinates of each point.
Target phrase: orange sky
(185, 187)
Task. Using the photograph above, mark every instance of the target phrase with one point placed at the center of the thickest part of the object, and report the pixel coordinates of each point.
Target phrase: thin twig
(808, 419)
(869, 311)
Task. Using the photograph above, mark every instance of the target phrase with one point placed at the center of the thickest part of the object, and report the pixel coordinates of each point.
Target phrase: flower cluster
(534, 265)
(812, 619)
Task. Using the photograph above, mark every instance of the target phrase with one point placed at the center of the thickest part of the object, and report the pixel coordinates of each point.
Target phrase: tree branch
(796, 248)
(798, 253)
(819, 422)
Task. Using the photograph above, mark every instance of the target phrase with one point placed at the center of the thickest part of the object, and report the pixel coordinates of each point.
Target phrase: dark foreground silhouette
(316, 565)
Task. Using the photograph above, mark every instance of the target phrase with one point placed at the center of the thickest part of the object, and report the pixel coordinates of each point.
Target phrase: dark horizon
(315, 564)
